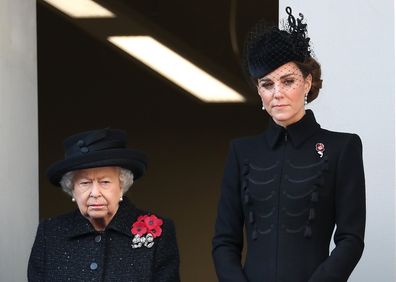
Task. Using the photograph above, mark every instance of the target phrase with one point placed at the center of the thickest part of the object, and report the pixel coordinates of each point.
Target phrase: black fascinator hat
(268, 47)
(97, 148)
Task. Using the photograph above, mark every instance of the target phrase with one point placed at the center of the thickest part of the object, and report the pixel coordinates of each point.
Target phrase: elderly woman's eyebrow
(81, 176)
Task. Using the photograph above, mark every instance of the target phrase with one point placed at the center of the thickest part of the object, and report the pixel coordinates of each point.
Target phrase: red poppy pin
(320, 148)
(145, 229)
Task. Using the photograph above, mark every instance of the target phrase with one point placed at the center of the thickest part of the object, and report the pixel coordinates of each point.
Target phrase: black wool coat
(289, 187)
(67, 248)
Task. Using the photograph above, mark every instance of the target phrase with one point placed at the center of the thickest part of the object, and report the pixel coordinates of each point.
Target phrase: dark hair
(312, 67)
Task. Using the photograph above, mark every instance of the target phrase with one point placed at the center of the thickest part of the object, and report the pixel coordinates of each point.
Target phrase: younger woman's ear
(308, 82)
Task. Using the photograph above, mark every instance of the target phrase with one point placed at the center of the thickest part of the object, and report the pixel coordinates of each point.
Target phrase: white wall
(354, 42)
(18, 137)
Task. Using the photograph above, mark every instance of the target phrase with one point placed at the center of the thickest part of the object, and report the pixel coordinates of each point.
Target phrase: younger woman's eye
(289, 81)
(266, 84)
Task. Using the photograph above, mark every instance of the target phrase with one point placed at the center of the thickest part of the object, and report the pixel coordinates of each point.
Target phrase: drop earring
(121, 199)
(306, 100)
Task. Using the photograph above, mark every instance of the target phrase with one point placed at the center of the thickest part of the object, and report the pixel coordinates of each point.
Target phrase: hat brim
(133, 160)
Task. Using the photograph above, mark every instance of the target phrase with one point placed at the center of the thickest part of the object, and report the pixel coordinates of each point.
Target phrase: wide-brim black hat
(98, 148)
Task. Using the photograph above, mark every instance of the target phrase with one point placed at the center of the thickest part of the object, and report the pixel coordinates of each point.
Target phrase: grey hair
(126, 180)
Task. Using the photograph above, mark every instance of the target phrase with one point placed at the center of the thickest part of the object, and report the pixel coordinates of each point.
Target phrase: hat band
(80, 149)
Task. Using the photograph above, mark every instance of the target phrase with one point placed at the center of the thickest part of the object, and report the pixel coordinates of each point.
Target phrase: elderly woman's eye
(84, 183)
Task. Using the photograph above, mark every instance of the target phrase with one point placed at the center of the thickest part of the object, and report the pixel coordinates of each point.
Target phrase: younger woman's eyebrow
(287, 75)
(282, 77)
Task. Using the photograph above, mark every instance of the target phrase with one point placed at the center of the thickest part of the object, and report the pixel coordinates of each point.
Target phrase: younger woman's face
(282, 92)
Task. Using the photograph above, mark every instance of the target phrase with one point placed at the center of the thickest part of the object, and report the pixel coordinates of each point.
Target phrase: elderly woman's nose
(95, 189)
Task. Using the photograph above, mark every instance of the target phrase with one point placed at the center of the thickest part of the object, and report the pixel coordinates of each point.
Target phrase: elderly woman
(290, 186)
(107, 238)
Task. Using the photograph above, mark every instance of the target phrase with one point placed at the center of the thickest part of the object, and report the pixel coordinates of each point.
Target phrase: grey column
(18, 137)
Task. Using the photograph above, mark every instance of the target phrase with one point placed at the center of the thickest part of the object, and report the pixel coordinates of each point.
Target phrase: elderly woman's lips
(96, 206)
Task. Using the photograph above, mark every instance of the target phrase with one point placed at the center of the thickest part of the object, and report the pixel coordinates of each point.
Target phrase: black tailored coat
(67, 248)
(289, 194)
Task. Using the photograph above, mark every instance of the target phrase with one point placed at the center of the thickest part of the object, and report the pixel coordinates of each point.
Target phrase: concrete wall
(354, 42)
(18, 136)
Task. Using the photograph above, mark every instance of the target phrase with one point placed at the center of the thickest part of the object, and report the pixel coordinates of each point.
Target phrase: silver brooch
(140, 241)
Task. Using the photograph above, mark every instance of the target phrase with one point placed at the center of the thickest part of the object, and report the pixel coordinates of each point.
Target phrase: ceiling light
(177, 69)
(81, 8)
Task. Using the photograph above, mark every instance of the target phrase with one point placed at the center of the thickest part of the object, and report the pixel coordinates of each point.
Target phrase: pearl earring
(263, 108)
(121, 199)
(306, 100)
(73, 200)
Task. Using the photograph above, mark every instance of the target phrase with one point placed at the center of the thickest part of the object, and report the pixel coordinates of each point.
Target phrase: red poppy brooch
(146, 228)
(320, 149)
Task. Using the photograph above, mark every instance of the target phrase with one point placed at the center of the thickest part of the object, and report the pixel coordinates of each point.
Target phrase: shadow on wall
(84, 84)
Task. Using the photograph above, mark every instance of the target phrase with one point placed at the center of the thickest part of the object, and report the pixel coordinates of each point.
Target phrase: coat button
(98, 238)
(93, 266)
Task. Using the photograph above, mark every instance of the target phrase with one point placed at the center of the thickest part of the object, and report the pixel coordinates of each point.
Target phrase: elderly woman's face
(282, 93)
(97, 192)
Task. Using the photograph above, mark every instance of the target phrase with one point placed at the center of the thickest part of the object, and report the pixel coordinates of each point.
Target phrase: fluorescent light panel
(177, 69)
(81, 8)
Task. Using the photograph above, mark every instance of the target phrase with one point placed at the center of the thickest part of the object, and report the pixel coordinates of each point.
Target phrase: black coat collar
(122, 221)
(297, 132)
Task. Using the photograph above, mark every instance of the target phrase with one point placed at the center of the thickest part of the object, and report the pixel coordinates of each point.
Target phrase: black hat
(97, 148)
(268, 48)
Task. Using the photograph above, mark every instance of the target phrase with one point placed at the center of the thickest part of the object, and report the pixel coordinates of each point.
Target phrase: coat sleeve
(227, 242)
(37, 256)
(350, 215)
(166, 258)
